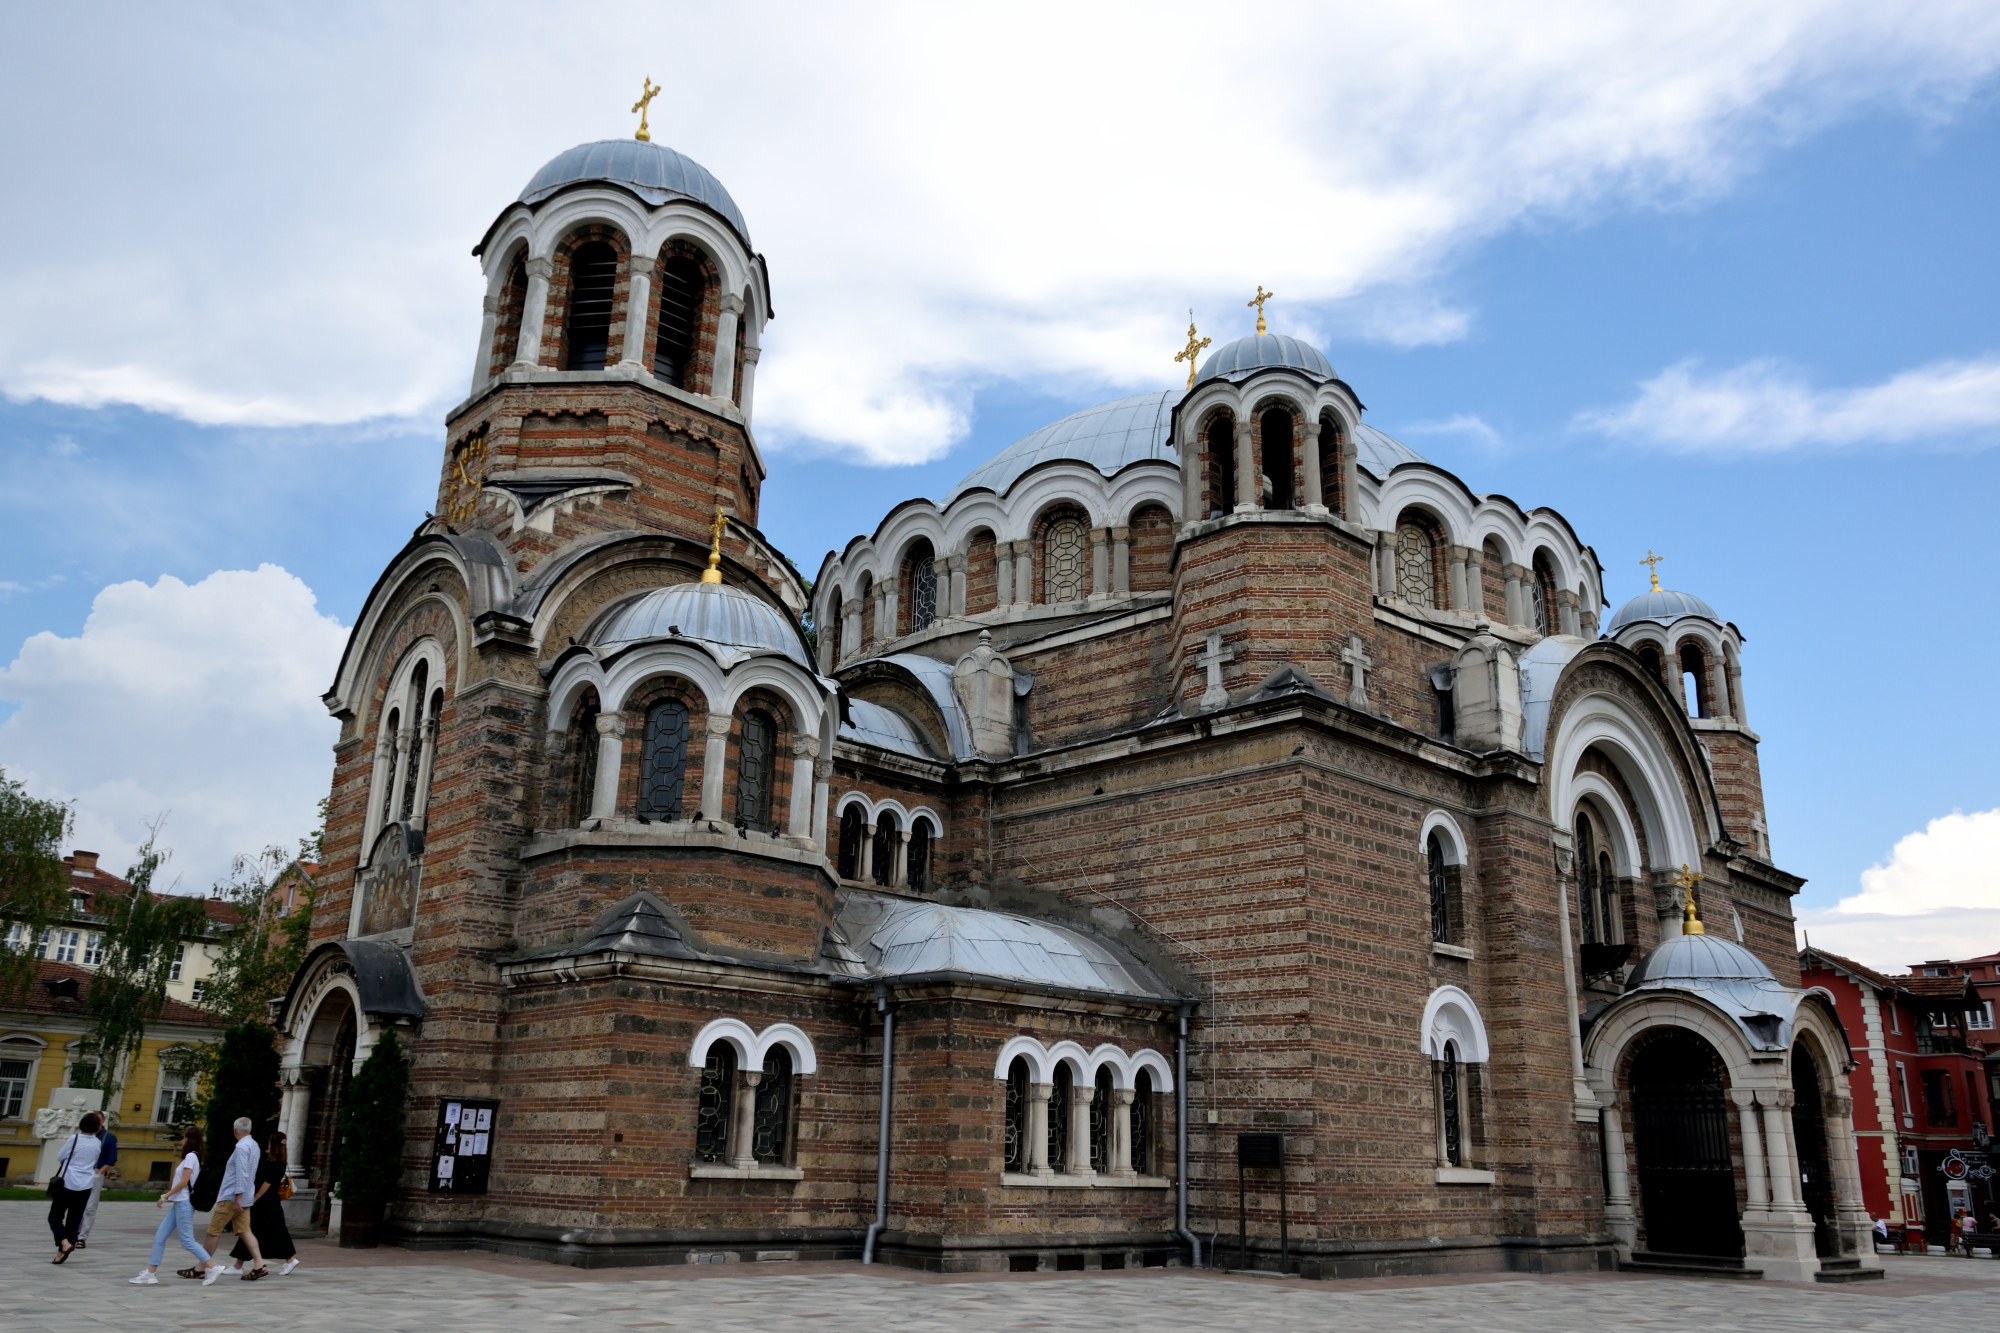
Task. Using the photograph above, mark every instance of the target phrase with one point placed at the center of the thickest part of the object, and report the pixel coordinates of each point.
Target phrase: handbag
(284, 1188)
(56, 1186)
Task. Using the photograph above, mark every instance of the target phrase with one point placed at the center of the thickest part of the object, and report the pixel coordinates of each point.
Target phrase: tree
(371, 1129)
(34, 888)
(242, 1081)
(256, 960)
(128, 992)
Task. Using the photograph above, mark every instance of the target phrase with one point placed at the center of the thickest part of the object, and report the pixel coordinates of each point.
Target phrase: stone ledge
(1464, 1175)
(745, 1173)
(1063, 1181)
(1452, 950)
(706, 835)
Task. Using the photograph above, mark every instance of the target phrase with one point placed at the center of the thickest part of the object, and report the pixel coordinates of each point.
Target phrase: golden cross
(1652, 562)
(1685, 882)
(643, 105)
(713, 574)
(1192, 350)
(1258, 301)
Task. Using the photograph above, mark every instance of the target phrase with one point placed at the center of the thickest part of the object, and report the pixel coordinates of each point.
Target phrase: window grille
(852, 830)
(771, 1111)
(13, 1087)
(662, 760)
(1540, 596)
(419, 741)
(920, 856)
(1065, 560)
(1454, 1145)
(884, 867)
(681, 287)
(923, 590)
(391, 726)
(1440, 884)
(1059, 1120)
(711, 1113)
(593, 273)
(753, 771)
(1016, 1149)
(1100, 1123)
(1607, 899)
(1142, 1122)
(585, 792)
(1586, 882)
(1416, 572)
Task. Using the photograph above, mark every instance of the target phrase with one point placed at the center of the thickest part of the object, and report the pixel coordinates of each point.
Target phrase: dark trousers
(66, 1213)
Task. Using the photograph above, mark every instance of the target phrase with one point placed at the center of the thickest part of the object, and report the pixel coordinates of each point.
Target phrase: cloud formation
(200, 701)
(1764, 406)
(1936, 896)
(948, 196)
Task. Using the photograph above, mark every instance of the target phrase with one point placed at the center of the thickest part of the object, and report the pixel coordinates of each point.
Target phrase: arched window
(884, 862)
(1221, 458)
(712, 1104)
(583, 769)
(1586, 882)
(593, 273)
(1065, 560)
(1100, 1123)
(1451, 1108)
(663, 760)
(1143, 1120)
(1276, 454)
(681, 288)
(1439, 876)
(1649, 657)
(419, 741)
(853, 828)
(1059, 1100)
(1416, 566)
(920, 577)
(1541, 593)
(836, 625)
(919, 874)
(1015, 1152)
(1607, 900)
(392, 727)
(754, 770)
(771, 1111)
(1694, 680)
(1332, 465)
(736, 373)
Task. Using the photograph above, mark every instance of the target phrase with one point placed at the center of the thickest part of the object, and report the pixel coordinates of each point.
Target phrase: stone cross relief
(1359, 664)
(1215, 696)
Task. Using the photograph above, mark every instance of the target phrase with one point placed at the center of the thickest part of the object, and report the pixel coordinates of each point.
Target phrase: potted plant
(371, 1143)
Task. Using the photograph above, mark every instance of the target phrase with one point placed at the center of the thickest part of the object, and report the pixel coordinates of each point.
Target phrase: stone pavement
(431, 1293)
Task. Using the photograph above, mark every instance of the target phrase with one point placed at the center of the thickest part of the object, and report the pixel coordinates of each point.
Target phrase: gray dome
(1662, 605)
(729, 620)
(1109, 437)
(652, 171)
(1379, 452)
(1684, 959)
(1260, 351)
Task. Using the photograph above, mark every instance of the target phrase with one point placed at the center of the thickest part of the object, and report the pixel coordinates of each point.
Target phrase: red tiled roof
(39, 1000)
(1939, 988)
(91, 883)
(1834, 960)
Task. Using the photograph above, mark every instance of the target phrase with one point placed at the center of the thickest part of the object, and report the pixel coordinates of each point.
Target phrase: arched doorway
(1680, 1130)
(1815, 1168)
(328, 1064)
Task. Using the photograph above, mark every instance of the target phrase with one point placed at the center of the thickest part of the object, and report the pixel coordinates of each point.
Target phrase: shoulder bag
(56, 1186)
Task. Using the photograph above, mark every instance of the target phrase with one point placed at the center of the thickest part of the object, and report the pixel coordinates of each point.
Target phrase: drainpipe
(882, 1148)
(1180, 1144)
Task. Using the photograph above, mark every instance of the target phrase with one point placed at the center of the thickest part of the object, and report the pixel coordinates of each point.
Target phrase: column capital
(611, 724)
(1120, 533)
(751, 354)
(541, 268)
(1123, 1096)
(823, 768)
(490, 305)
(1039, 1092)
(1084, 1093)
(642, 265)
(732, 303)
(1743, 1097)
(718, 724)
(806, 746)
(1312, 428)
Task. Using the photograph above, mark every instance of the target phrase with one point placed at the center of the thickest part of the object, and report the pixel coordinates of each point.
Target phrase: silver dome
(1685, 958)
(1262, 351)
(652, 171)
(730, 621)
(1109, 437)
(1663, 605)
(901, 938)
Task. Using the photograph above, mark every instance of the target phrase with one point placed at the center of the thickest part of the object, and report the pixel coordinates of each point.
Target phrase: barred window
(419, 742)
(13, 1087)
(919, 877)
(1100, 1123)
(681, 287)
(1065, 560)
(1440, 886)
(1416, 570)
(1016, 1150)
(1142, 1122)
(920, 575)
(771, 1111)
(593, 273)
(711, 1112)
(1058, 1137)
(754, 765)
(853, 828)
(662, 760)
(1586, 882)
(884, 866)
(1450, 1107)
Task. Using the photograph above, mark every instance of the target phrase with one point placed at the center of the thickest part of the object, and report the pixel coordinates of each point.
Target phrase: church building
(1208, 788)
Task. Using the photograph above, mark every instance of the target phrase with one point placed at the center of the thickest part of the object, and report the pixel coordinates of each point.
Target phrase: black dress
(267, 1218)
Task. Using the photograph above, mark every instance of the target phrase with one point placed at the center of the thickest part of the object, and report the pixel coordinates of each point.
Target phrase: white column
(528, 347)
(1121, 1132)
(1475, 583)
(955, 568)
(1024, 572)
(1003, 575)
(1314, 500)
(1580, 1093)
(1618, 1202)
(850, 633)
(1191, 510)
(1756, 1174)
(1517, 612)
(401, 771)
(610, 757)
(1777, 1137)
(1350, 482)
(1100, 562)
(899, 877)
(426, 760)
(743, 1119)
(1460, 601)
(638, 312)
(1386, 548)
(1080, 1097)
(1121, 562)
(714, 762)
(1572, 624)
(886, 626)
(723, 379)
(489, 321)
(1038, 1129)
(822, 780)
(865, 872)
(750, 356)
(296, 1097)
(1247, 470)
(799, 823)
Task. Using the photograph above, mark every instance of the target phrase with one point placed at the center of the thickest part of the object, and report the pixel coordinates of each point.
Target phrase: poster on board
(462, 1155)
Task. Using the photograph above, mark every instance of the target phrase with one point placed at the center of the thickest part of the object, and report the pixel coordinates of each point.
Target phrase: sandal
(256, 1273)
(194, 1273)
(63, 1257)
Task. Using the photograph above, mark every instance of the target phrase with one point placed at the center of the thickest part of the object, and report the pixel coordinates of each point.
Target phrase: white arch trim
(1125, 1066)
(21, 1039)
(751, 1046)
(1643, 760)
(1593, 790)
(1450, 1015)
(1454, 837)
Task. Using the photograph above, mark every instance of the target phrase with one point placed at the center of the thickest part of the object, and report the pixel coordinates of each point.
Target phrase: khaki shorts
(229, 1215)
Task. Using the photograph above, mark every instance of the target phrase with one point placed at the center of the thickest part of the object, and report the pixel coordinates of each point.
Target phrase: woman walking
(267, 1212)
(180, 1213)
(69, 1191)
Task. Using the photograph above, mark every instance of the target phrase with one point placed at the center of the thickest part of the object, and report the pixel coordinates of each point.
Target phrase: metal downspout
(882, 1145)
(1180, 1137)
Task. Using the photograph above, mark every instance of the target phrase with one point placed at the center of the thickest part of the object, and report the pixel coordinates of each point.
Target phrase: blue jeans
(180, 1217)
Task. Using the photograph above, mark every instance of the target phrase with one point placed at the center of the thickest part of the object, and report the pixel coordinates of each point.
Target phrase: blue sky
(1754, 334)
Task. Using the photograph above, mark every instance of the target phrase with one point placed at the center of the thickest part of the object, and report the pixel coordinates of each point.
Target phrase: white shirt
(192, 1165)
(239, 1178)
(81, 1153)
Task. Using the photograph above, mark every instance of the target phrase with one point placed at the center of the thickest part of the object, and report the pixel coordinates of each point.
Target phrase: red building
(1922, 1084)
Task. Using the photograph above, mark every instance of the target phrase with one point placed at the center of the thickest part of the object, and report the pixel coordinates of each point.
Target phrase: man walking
(107, 1158)
(232, 1204)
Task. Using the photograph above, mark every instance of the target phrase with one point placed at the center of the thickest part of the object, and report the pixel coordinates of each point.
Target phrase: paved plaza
(392, 1289)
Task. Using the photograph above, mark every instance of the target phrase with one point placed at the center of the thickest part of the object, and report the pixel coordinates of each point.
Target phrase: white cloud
(1466, 425)
(1765, 406)
(201, 700)
(948, 195)
(1937, 896)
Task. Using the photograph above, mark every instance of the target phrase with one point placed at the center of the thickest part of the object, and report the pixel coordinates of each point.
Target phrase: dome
(1109, 437)
(652, 171)
(899, 938)
(727, 619)
(1379, 452)
(1684, 959)
(1662, 605)
(1263, 351)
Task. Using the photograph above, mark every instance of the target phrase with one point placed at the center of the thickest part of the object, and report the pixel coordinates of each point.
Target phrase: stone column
(950, 571)
(1756, 1174)
(1385, 550)
(1121, 562)
(1777, 1137)
(489, 321)
(1517, 610)
(850, 631)
(743, 1119)
(1191, 510)
(1737, 706)
(822, 781)
(887, 626)
(1038, 1129)
(799, 821)
(750, 358)
(610, 759)
(899, 876)
(295, 1098)
(724, 377)
(638, 306)
(1585, 1100)
(1475, 582)
(399, 772)
(714, 760)
(528, 347)
(864, 873)
(1024, 572)
(1080, 1097)
(1350, 482)
(1121, 1133)
(1314, 500)
(1571, 623)
(1100, 562)
(1718, 687)
(1247, 471)
(1459, 600)
(426, 757)
(1003, 575)
(1856, 1231)
(1618, 1217)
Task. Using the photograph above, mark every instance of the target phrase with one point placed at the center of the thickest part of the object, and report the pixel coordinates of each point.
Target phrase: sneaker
(230, 1271)
(212, 1276)
(146, 1278)
(289, 1265)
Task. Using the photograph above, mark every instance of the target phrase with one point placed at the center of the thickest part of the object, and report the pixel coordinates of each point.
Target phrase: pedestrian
(232, 1204)
(69, 1189)
(180, 1214)
(267, 1212)
(1968, 1227)
(107, 1159)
